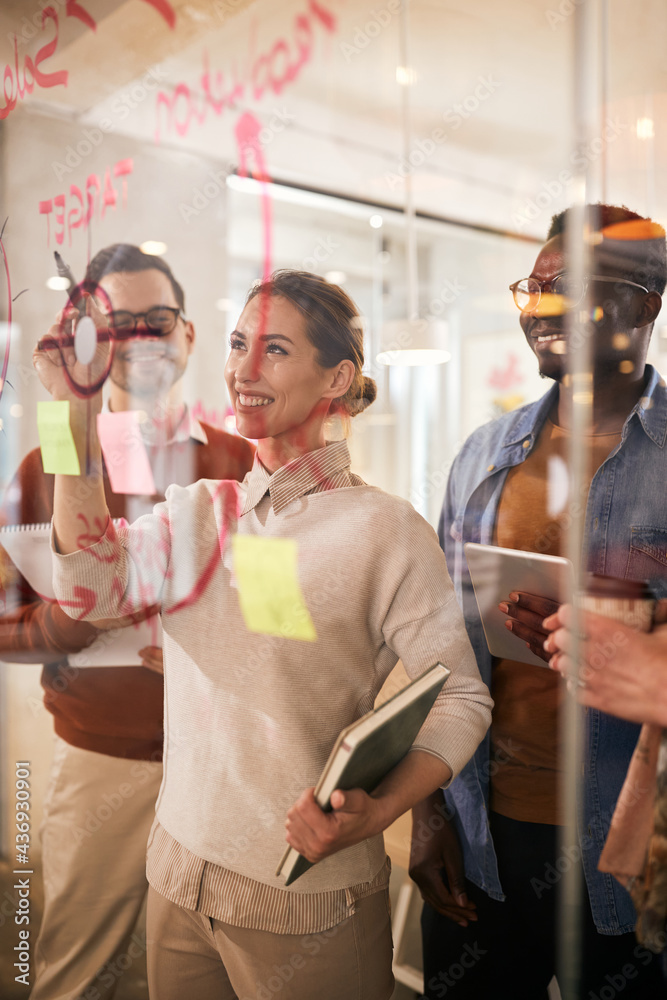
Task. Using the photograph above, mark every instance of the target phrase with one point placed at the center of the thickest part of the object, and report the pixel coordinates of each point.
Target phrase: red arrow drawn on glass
(249, 146)
(230, 502)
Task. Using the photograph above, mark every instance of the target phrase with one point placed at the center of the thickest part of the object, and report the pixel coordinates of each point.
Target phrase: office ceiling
(492, 83)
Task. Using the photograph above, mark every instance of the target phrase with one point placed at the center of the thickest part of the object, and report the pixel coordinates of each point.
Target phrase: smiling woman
(255, 702)
(296, 358)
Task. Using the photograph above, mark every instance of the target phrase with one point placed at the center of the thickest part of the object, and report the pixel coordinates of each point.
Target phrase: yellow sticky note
(55, 438)
(270, 595)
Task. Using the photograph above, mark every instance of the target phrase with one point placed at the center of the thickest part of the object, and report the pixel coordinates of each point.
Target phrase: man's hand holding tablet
(515, 591)
(526, 614)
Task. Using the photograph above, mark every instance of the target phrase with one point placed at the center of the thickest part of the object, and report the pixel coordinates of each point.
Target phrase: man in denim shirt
(489, 925)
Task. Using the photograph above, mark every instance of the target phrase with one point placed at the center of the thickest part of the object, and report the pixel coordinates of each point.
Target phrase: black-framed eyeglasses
(527, 292)
(159, 322)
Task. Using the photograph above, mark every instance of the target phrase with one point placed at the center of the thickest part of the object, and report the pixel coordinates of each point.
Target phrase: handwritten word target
(74, 210)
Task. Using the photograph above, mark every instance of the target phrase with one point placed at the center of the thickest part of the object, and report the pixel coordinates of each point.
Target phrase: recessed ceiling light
(376, 221)
(57, 284)
(335, 277)
(645, 129)
(406, 76)
(153, 247)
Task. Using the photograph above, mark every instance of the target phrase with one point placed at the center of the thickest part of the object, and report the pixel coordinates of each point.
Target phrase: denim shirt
(626, 536)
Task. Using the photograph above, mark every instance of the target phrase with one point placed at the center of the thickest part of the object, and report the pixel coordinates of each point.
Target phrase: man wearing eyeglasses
(106, 774)
(496, 839)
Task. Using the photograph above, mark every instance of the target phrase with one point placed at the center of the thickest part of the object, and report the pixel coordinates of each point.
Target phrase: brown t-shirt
(111, 710)
(533, 515)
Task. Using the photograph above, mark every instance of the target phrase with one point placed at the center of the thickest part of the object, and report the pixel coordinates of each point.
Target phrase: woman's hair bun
(370, 390)
(361, 394)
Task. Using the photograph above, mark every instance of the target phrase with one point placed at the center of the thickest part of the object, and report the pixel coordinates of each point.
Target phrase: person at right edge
(488, 860)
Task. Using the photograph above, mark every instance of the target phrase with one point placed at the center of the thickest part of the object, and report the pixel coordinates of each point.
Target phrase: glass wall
(413, 153)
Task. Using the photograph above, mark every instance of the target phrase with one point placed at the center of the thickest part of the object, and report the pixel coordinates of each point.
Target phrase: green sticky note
(270, 595)
(55, 438)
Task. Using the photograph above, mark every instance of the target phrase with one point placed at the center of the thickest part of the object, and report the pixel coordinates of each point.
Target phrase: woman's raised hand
(73, 360)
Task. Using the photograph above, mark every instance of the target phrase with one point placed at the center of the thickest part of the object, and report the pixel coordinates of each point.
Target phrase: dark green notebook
(371, 747)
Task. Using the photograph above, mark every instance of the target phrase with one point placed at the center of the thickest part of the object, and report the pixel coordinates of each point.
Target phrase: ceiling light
(406, 76)
(153, 247)
(295, 196)
(335, 277)
(58, 284)
(645, 128)
(376, 221)
(406, 342)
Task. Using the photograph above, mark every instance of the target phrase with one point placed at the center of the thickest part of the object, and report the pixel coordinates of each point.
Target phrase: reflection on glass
(368, 144)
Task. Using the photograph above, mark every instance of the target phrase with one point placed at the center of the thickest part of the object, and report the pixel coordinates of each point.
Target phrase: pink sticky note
(125, 453)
